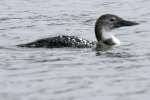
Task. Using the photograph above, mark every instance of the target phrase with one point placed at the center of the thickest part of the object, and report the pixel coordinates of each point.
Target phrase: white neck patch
(116, 41)
(107, 34)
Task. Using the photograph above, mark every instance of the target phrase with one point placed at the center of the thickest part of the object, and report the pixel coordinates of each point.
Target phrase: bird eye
(112, 19)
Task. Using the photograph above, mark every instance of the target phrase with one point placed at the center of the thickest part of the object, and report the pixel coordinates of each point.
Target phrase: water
(68, 73)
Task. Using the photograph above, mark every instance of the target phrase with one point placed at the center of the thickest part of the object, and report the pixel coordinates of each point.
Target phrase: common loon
(103, 27)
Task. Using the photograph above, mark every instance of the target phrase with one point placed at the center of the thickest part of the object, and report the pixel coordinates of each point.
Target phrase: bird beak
(122, 23)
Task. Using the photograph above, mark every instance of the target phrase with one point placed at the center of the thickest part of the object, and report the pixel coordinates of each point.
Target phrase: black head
(112, 21)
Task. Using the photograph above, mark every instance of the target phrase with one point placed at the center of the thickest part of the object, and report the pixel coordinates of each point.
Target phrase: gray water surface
(122, 73)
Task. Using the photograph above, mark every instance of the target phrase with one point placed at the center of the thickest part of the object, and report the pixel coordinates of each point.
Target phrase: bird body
(103, 32)
(59, 42)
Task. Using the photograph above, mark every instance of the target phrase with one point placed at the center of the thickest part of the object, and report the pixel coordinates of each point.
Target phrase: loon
(103, 27)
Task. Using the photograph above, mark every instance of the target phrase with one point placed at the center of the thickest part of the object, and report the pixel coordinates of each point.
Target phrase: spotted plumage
(60, 41)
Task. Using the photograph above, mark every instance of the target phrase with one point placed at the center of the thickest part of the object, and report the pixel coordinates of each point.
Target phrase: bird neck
(98, 31)
(104, 33)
